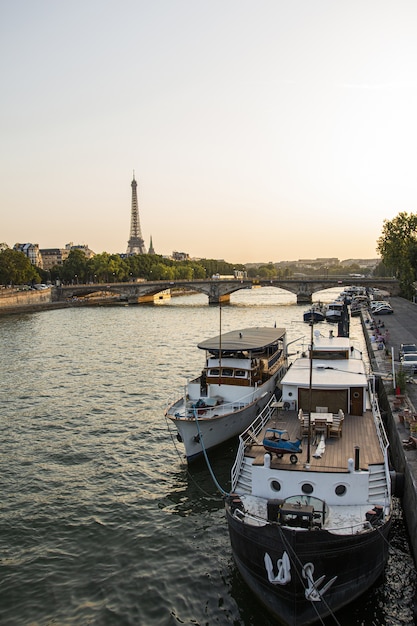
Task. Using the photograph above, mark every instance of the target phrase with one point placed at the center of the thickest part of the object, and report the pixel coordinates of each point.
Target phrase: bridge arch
(219, 291)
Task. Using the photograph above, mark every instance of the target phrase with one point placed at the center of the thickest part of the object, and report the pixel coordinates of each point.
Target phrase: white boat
(335, 311)
(309, 523)
(241, 371)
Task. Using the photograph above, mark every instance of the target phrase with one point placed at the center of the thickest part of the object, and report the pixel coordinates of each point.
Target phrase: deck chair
(320, 427)
(304, 427)
(335, 429)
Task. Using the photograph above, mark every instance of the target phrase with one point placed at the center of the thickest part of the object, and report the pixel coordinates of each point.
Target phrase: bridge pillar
(218, 299)
(304, 298)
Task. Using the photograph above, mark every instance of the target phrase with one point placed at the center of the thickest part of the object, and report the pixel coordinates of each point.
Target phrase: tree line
(16, 268)
(397, 247)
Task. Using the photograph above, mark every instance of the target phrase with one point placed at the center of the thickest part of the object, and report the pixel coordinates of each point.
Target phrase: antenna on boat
(220, 343)
(310, 391)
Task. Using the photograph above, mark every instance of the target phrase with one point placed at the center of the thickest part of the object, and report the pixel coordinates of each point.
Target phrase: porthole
(307, 488)
(275, 485)
(356, 394)
(340, 490)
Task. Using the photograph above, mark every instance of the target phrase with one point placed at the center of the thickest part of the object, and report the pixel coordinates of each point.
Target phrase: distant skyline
(258, 131)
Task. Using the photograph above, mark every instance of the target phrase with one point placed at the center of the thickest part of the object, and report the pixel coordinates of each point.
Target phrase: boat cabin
(243, 358)
(336, 374)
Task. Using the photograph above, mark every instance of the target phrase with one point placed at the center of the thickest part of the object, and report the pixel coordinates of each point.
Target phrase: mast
(310, 389)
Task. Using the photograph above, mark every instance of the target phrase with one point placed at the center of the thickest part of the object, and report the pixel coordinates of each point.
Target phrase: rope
(181, 456)
(296, 561)
(200, 434)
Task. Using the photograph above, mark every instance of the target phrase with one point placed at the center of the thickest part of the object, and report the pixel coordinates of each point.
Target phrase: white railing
(248, 437)
(223, 407)
(382, 435)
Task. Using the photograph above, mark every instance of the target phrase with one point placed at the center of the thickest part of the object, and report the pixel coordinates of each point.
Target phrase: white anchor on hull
(284, 569)
(312, 591)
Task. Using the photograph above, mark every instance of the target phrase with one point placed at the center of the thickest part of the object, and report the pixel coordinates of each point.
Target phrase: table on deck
(322, 421)
(328, 417)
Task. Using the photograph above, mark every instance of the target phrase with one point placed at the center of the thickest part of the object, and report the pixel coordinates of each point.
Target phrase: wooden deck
(357, 431)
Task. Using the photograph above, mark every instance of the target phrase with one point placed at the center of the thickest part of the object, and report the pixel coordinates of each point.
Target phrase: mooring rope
(200, 435)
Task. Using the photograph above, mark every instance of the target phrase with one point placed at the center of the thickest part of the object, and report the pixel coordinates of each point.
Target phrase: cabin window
(240, 373)
(227, 371)
(340, 490)
(214, 372)
(275, 485)
(307, 488)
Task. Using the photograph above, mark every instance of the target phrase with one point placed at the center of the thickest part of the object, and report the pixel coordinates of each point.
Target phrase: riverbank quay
(398, 409)
(14, 301)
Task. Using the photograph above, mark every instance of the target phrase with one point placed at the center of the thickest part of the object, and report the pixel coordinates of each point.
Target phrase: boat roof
(327, 374)
(331, 343)
(244, 339)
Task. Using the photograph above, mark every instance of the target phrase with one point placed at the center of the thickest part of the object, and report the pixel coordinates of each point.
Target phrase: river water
(101, 521)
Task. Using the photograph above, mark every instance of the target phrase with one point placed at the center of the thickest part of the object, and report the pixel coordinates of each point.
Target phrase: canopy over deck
(246, 339)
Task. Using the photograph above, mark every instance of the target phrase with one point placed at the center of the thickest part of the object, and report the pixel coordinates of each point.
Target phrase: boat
(309, 526)
(317, 313)
(240, 375)
(335, 311)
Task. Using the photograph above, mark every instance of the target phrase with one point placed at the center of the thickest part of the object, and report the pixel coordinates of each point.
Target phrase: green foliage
(382, 270)
(214, 266)
(16, 269)
(401, 379)
(108, 268)
(398, 249)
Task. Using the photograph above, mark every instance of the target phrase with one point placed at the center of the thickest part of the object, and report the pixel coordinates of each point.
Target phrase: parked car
(406, 348)
(409, 362)
(381, 307)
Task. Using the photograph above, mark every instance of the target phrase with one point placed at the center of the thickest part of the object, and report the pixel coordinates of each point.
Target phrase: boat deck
(357, 431)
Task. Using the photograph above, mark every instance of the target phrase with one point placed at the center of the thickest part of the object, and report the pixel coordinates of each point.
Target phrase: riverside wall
(15, 301)
(392, 407)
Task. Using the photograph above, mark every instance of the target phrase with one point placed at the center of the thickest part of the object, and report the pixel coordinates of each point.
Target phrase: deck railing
(249, 436)
(381, 432)
(208, 411)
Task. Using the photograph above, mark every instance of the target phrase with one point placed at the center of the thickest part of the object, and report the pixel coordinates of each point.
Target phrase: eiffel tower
(135, 245)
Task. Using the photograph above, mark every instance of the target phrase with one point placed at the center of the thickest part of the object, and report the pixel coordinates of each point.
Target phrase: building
(180, 256)
(80, 246)
(52, 257)
(31, 250)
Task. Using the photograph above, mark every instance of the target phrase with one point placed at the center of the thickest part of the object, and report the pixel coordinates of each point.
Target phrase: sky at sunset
(261, 130)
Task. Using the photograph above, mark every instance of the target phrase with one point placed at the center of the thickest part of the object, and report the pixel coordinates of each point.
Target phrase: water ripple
(101, 522)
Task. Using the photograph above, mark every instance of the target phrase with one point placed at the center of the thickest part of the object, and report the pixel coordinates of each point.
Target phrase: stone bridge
(219, 290)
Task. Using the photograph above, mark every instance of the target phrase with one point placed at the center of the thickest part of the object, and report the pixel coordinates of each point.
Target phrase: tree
(398, 249)
(74, 268)
(16, 269)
